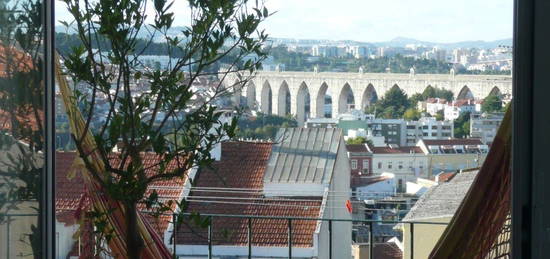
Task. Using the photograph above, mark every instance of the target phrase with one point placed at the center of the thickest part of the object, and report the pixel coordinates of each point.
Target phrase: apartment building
(485, 126)
(428, 128)
(453, 154)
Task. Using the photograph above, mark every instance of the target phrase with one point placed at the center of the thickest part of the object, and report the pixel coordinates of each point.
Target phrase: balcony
(214, 242)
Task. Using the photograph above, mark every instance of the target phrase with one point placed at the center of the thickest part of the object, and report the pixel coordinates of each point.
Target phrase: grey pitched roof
(442, 200)
(303, 155)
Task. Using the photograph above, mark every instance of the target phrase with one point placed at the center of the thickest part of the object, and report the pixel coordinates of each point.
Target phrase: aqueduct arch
(369, 97)
(303, 103)
(334, 93)
(465, 93)
(251, 95)
(283, 100)
(266, 102)
(346, 99)
(324, 102)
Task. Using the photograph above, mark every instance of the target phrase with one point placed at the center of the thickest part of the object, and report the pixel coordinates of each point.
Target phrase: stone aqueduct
(305, 94)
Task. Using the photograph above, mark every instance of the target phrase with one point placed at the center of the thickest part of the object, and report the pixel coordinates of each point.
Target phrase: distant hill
(397, 42)
(402, 42)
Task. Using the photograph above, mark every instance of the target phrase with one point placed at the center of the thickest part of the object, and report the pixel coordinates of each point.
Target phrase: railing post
(330, 239)
(289, 238)
(210, 237)
(174, 232)
(371, 241)
(249, 238)
(8, 237)
(412, 240)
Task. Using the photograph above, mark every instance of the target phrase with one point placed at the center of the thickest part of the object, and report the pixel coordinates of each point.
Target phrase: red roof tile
(70, 192)
(12, 60)
(243, 166)
(445, 176)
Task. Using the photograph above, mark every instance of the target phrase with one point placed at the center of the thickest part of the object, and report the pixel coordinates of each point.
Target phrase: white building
(288, 182)
(453, 110)
(485, 126)
(358, 51)
(428, 128)
(406, 163)
(450, 155)
(376, 187)
(434, 105)
(420, 186)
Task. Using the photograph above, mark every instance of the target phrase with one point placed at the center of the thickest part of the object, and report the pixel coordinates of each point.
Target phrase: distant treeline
(65, 42)
(295, 61)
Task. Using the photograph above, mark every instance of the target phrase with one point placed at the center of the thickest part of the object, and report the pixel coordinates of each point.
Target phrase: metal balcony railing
(290, 222)
(499, 250)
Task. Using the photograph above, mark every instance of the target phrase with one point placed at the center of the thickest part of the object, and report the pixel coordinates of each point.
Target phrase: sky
(378, 20)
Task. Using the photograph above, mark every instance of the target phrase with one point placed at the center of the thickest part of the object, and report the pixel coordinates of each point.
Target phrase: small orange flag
(348, 206)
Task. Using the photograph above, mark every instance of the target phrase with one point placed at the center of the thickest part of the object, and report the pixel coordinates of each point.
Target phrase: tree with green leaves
(392, 105)
(358, 140)
(170, 118)
(412, 114)
(440, 115)
(491, 103)
(462, 125)
(415, 98)
(436, 92)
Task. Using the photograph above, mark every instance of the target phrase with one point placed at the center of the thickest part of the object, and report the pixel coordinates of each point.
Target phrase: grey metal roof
(442, 200)
(303, 155)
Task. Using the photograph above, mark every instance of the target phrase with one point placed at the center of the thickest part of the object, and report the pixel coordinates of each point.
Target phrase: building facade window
(365, 164)
(379, 165)
(389, 165)
(353, 164)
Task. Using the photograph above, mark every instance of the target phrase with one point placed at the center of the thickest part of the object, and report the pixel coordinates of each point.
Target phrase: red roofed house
(305, 174)
(71, 198)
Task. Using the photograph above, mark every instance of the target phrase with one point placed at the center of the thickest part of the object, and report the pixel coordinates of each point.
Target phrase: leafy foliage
(435, 92)
(263, 126)
(357, 140)
(393, 105)
(412, 114)
(171, 117)
(491, 103)
(462, 125)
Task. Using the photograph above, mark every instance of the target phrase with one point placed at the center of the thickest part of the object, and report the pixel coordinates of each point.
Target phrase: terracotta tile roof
(387, 250)
(26, 118)
(452, 142)
(436, 100)
(71, 192)
(444, 177)
(243, 165)
(463, 102)
(357, 148)
(399, 150)
(12, 59)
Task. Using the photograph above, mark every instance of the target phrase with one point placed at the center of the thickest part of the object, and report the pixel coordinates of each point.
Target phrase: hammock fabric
(113, 210)
(480, 217)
